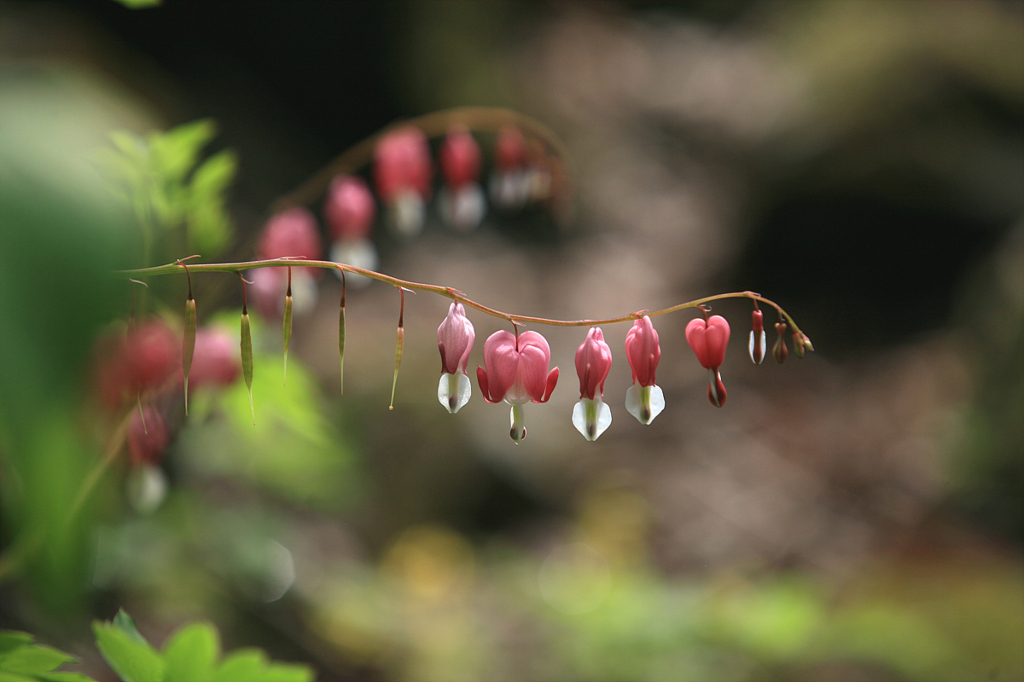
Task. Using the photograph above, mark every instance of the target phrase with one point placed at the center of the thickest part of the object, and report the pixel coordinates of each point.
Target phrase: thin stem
(448, 292)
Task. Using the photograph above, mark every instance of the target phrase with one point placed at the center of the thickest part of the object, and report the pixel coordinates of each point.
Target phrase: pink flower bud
(291, 233)
(402, 164)
(147, 436)
(779, 350)
(593, 362)
(460, 158)
(349, 208)
(708, 339)
(455, 337)
(758, 343)
(152, 353)
(643, 351)
(215, 360)
(517, 372)
(510, 148)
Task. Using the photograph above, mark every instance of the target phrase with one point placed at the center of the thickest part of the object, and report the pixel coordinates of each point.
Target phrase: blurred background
(854, 515)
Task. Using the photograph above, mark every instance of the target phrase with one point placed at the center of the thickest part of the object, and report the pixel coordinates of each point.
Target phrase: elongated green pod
(287, 324)
(247, 350)
(399, 348)
(341, 332)
(247, 360)
(188, 343)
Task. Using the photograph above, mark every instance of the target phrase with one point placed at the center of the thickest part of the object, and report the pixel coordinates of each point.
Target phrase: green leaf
(243, 665)
(175, 152)
(132, 660)
(33, 659)
(251, 665)
(125, 622)
(130, 144)
(63, 677)
(214, 174)
(209, 229)
(191, 653)
(14, 677)
(12, 639)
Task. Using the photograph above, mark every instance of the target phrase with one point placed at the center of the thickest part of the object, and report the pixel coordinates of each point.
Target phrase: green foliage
(169, 188)
(190, 655)
(21, 660)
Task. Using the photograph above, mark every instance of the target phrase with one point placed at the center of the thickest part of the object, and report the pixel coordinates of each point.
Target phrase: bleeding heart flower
(591, 416)
(646, 401)
(455, 337)
(401, 173)
(517, 372)
(708, 339)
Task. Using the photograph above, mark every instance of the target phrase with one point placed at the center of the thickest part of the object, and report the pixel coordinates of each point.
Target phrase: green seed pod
(247, 360)
(341, 342)
(188, 342)
(798, 344)
(287, 328)
(399, 347)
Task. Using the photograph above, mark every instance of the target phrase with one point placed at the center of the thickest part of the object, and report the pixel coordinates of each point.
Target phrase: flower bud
(798, 344)
(758, 342)
(459, 158)
(349, 208)
(779, 350)
(455, 337)
(591, 416)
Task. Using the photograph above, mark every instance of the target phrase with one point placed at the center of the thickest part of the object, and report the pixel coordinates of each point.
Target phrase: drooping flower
(757, 345)
(455, 337)
(401, 173)
(292, 233)
(350, 211)
(708, 339)
(461, 203)
(130, 365)
(646, 401)
(517, 372)
(215, 360)
(510, 183)
(591, 416)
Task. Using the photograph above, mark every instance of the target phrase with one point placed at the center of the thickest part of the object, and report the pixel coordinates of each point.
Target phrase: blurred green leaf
(251, 665)
(33, 658)
(140, 4)
(214, 174)
(12, 639)
(191, 653)
(175, 152)
(127, 624)
(132, 660)
(63, 677)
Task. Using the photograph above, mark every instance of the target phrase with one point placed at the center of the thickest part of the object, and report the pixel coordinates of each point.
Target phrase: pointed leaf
(132, 660)
(191, 653)
(32, 659)
(12, 639)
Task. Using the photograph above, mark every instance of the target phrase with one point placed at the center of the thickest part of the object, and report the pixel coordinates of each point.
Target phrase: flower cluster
(516, 368)
(402, 175)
